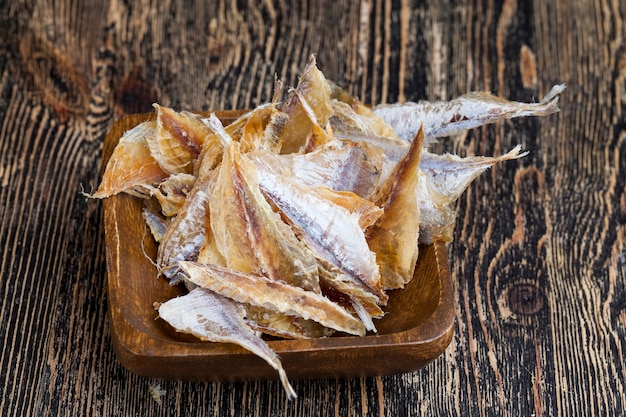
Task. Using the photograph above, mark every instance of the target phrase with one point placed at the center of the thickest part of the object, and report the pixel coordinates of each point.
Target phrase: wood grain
(539, 252)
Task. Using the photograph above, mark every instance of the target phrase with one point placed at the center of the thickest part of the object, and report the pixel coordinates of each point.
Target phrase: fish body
(185, 235)
(394, 236)
(132, 169)
(443, 180)
(260, 291)
(330, 229)
(214, 318)
(448, 118)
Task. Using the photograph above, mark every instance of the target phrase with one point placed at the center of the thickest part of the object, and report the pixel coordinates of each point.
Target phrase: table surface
(539, 251)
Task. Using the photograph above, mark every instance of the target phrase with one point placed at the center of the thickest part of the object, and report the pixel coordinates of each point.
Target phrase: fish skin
(451, 174)
(132, 169)
(186, 234)
(395, 236)
(363, 116)
(178, 140)
(214, 318)
(281, 325)
(333, 232)
(466, 112)
(251, 237)
(341, 166)
(444, 179)
(277, 296)
(347, 123)
(315, 89)
(351, 294)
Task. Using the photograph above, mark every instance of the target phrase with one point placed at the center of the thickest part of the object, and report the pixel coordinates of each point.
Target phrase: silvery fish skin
(466, 112)
(331, 230)
(443, 179)
(212, 317)
(340, 165)
(251, 237)
(185, 235)
(276, 296)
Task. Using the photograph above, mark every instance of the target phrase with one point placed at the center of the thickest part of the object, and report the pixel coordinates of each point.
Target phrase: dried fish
(444, 179)
(186, 234)
(178, 141)
(332, 231)
(214, 318)
(315, 89)
(394, 237)
(251, 237)
(340, 165)
(132, 169)
(260, 291)
(466, 112)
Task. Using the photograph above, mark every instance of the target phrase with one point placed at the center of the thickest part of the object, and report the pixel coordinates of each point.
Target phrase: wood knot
(525, 299)
(135, 96)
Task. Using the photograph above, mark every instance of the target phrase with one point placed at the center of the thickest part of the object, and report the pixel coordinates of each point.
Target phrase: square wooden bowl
(417, 327)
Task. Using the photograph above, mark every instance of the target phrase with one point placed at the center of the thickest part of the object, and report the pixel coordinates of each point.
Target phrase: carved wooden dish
(417, 327)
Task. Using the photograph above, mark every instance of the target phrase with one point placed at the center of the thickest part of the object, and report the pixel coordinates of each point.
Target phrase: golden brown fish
(251, 237)
(277, 296)
(178, 141)
(394, 237)
(315, 89)
(132, 169)
(333, 232)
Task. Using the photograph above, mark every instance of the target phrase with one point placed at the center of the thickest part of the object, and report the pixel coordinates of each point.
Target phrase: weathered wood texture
(539, 256)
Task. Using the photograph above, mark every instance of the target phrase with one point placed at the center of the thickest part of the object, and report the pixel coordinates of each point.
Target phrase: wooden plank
(539, 256)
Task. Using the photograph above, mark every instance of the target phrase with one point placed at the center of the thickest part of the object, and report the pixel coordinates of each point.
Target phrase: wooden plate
(417, 327)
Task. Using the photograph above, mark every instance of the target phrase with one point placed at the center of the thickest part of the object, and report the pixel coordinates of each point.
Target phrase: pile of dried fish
(299, 217)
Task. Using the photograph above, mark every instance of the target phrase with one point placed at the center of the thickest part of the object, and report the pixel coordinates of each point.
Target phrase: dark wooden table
(539, 256)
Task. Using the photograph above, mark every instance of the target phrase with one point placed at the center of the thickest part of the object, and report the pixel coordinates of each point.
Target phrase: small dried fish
(444, 179)
(260, 291)
(251, 237)
(214, 318)
(186, 234)
(332, 231)
(394, 237)
(132, 169)
(466, 112)
(314, 88)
